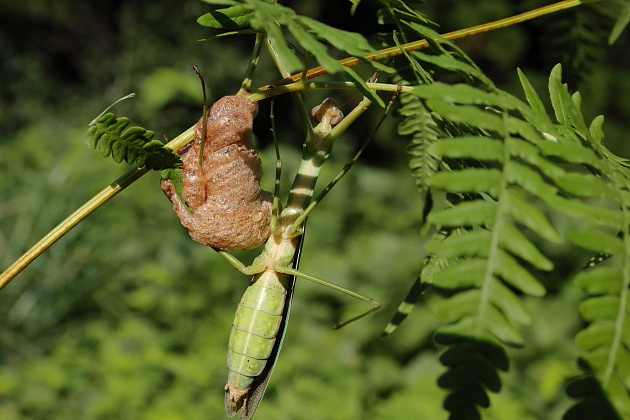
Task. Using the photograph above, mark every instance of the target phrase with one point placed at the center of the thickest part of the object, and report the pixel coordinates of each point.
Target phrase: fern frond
(488, 259)
(605, 342)
(522, 157)
(134, 145)
(576, 39)
(419, 125)
(473, 368)
(592, 402)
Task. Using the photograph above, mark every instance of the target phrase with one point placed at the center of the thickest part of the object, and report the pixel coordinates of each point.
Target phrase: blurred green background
(127, 318)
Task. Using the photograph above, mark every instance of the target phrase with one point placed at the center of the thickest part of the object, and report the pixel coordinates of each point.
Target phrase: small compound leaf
(134, 145)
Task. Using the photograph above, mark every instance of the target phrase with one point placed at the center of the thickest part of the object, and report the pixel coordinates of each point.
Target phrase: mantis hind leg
(375, 305)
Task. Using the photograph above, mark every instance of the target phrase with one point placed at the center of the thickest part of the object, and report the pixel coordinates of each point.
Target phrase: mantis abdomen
(258, 330)
(256, 327)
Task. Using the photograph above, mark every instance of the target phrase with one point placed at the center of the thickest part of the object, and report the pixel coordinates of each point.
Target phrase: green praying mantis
(260, 320)
(261, 317)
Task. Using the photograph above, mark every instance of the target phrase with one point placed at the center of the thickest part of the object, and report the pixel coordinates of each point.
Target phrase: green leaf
(601, 307)
(476, 212)
(530, 93)
(601, 279)
(458, 93)
(530, 153)
(577, 208)
(530, 180)
(466, 114)
(449, 63)
(510, 304)
(469, 180)
(466, 273)
(464, 328)
(517, 276)
(467, 244)
(586, 186)
(499, 327)
(597, 129)
(596, 335)
(571, 153)
(350, 42)
(620, 24)
(314, 37)
(234, 17)
(362, 87)
(528, 215)
(514, 241)
(312, 45)
(596, 240)
(565, 107)
(480, 148)
(458, 306)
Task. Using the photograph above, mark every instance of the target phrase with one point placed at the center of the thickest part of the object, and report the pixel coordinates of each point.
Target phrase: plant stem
(82, 212)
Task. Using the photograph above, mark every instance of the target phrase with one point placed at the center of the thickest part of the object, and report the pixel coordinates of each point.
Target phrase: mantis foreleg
(257, 266)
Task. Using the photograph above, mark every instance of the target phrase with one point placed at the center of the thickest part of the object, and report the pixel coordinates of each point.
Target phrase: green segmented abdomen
(254, 331)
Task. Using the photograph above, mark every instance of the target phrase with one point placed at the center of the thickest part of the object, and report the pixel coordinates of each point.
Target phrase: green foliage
(620, 24)
(522, 158)
(576, 40)
(311, 35)
(135, 145)
(127, 318)
(472, 368)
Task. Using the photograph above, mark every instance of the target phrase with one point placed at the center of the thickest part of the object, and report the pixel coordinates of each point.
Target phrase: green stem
(81, 213)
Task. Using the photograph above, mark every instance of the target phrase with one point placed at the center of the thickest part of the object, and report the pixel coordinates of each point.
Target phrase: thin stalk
(79, 214)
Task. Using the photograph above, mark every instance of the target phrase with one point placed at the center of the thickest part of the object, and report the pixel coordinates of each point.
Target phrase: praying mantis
(283, 245)
(260, 320)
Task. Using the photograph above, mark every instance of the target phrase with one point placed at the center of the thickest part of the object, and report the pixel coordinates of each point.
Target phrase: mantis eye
(224, 205)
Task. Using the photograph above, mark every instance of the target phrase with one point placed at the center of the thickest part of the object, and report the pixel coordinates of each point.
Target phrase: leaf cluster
(489, 251)
(134, 145)
(310, 38)
(492, 169)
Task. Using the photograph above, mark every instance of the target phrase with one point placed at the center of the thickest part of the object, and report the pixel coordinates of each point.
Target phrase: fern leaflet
(134, 145)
